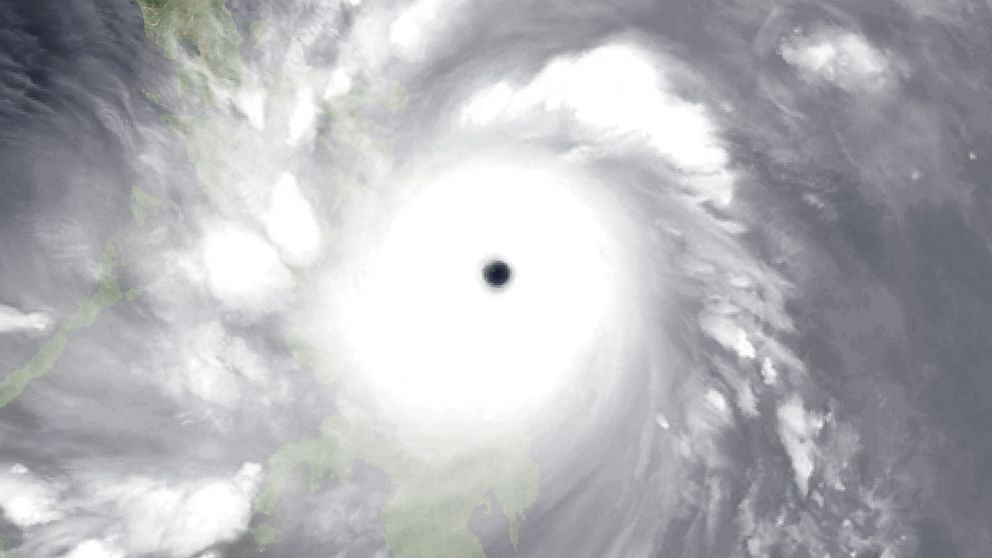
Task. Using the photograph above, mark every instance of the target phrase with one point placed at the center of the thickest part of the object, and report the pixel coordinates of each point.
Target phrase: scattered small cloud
(797, 429)
(841, 58)
(13, 320)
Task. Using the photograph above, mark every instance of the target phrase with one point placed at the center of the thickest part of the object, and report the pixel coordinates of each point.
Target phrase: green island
(144, 206)
(108, 294)
(203, 27)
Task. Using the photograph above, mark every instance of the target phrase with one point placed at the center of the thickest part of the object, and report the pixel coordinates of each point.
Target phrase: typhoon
(466, 278)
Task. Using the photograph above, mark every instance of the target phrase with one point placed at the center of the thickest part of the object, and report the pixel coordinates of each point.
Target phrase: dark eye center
(496, 273)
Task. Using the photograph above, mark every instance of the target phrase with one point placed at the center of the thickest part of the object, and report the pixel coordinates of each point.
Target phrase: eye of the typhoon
(470, 308)
(497, 273)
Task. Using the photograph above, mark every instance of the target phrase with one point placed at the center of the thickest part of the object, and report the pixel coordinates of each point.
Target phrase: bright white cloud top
(615, 92)
(842, 58)
(433, 340)
(243, 271)
(13, 320)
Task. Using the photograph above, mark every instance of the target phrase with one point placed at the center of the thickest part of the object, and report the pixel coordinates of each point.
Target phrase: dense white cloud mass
(243, 270)
(28, 500)
(94, 548)
(414, 28)
(291, 223)
(179, 520)
(798, 430)
(616, 90)
(457, 349)
(304, 114)
(133, 515)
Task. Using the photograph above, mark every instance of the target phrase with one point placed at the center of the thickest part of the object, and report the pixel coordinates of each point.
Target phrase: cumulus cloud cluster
(13, 320)
(843, 59)
(135, 515)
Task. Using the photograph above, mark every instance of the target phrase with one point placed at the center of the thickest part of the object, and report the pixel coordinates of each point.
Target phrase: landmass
(430, 504)
(108, 294)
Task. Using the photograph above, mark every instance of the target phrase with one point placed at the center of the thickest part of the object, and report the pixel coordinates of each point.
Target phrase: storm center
(497, 274)
(429, 340)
